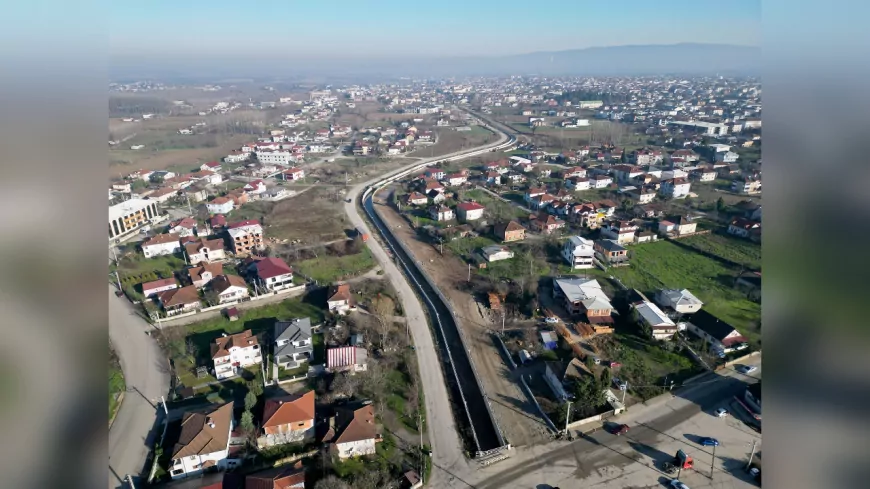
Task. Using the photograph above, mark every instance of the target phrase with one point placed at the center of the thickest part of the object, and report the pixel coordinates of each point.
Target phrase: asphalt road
(448, 456)
(146, 372)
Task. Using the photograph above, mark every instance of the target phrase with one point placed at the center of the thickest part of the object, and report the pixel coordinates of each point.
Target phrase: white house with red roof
(435, 173)
(157, 286)
(232, 352)
(293, 174)
(469, 211)
(457, 178)
(272, 273)
(210, 166)
(184, 227)
(255, 187)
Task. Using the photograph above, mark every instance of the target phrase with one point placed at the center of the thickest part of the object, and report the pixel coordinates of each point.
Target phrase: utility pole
(422, 459)
(568, 417)
(751, 454)
(712, 462)
(165, 409)
(117, 278)
(469, 272)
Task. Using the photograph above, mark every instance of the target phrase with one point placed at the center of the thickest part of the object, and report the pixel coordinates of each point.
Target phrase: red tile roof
(240, 224)
(470, 206)
(272, 267)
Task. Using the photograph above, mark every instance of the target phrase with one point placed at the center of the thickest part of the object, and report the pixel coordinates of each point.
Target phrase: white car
(676, 484)
(721, 413)
(747, 369)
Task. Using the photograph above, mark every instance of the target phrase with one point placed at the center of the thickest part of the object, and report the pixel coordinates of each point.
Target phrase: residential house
(153, 288)
(457, 178)
(229, 288)
(205, 250)
(576, 171)
(203, 443)
(642, 195)
(625, 173)
(578, 252)
(434, 173)
(441, 213)
(200, 275)
(583, 296)
(346, 359)
(546, 223)
(677, 226)
(162, 244)
(610, 252)
(621, 231)
(647, 157)
(645, 236)
(727, 157)
(271, 273)
(509, 231)
(196, 194)
(514, 177)
(469, 211)
(744, 228)
(534, 192)
(432, 185)
(212, 166)
(246, 236)
(704, 174)
(180, 300)
(492, 178)
(416, 198)
(293, 174)
(577, 183)
(720, 336)
(496, 253)
(648, 314)
(163, 194)
(207, 177)
(679, 301)
(648, 210)
(601, 181)
(686, 154)
(220, 205)
(289, 476)
(746, 185)
(287, 419)
(217, 222)
(357, 433)
(340, 299)
(255, 187)
(676, 188)
(231, 353)
(293, 343)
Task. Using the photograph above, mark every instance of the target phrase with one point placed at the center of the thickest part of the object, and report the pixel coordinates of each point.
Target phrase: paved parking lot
(633, 460)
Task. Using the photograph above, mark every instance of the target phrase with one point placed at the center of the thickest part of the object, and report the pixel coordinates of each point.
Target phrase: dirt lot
(516, 415)
(450, 141)
(366, 114)
(359, 169)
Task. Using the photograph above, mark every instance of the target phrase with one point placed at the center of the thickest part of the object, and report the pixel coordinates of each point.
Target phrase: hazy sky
(386, 29)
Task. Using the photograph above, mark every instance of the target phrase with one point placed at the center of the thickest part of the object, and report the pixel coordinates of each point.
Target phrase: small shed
(232, 313)
(549, 339)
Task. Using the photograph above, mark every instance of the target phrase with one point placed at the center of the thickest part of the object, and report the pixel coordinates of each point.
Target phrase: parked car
(746, 369)
(619, 384)
(619, 429)
(614, 364)
(709, 442)
(721, 413)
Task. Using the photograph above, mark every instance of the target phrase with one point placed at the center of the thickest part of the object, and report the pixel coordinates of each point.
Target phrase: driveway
(147, 375)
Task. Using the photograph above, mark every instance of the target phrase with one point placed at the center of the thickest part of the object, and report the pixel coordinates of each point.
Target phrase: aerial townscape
(489, 280)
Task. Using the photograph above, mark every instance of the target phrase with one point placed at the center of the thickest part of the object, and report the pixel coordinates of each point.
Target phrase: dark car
(620, 429)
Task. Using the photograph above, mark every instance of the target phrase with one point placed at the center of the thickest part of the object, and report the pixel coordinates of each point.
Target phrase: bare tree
(331, 482)
(383, 309)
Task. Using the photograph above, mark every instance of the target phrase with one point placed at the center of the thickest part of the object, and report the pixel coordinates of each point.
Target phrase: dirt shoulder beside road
(517, 417)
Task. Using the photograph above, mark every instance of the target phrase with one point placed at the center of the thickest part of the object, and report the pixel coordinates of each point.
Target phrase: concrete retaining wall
(537, 405)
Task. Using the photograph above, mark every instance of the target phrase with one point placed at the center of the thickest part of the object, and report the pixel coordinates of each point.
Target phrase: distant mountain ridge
(629, 60)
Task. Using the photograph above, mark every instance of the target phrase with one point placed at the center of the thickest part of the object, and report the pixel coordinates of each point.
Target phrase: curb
(120, 401)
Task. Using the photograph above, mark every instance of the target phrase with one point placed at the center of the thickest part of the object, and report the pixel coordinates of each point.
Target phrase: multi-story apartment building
(578, 252)
(129, 215)
(245, 236)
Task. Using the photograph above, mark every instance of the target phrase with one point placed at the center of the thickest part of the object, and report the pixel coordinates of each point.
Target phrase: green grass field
(664, 264)
(328, 269)
(735, 249)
